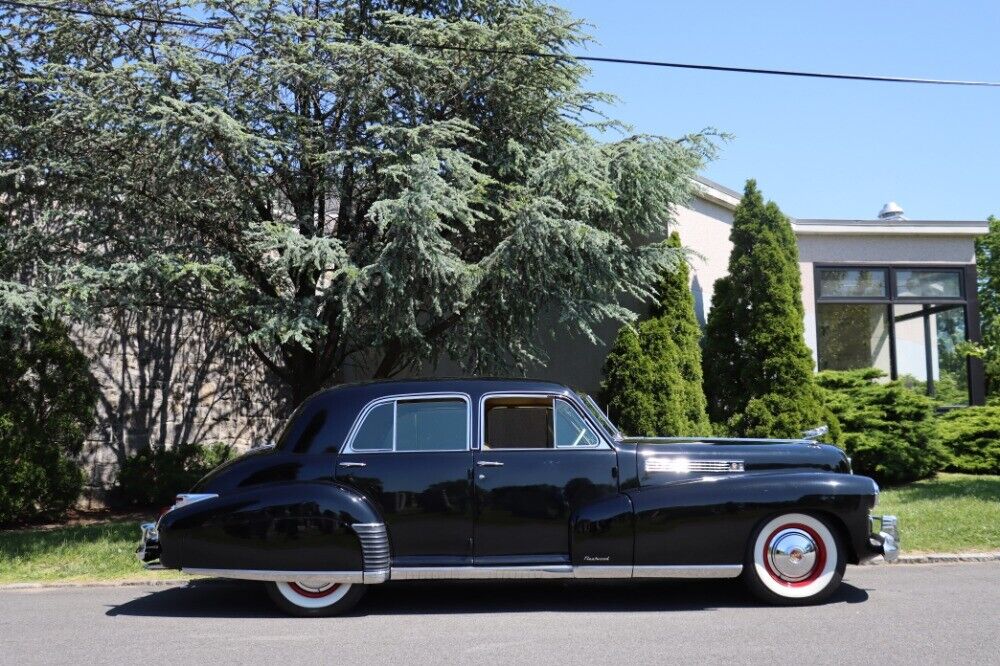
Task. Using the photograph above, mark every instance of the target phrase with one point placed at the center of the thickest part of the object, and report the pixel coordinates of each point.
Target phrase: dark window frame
(970, 310)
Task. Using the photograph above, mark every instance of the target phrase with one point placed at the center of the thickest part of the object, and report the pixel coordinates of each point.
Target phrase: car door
(411, 456)
(537, 461)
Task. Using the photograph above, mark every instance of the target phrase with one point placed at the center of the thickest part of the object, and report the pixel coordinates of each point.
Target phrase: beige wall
(704, 227)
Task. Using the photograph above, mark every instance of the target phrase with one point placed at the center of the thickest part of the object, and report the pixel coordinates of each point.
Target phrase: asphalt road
(938, 614)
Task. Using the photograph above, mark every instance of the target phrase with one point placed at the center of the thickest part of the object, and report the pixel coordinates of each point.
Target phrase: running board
(478, 573)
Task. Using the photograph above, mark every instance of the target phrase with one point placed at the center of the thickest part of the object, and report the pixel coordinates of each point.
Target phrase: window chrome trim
(480, 441)
(347, 447)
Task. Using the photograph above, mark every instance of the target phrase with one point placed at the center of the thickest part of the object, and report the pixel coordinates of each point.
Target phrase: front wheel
(315, 601)
(794, 559)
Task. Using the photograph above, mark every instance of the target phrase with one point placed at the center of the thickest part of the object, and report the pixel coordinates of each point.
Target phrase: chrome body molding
(374, 551)
(688, 571)
(319, 578)
(310, 578)
(566, 571)
(680, 465)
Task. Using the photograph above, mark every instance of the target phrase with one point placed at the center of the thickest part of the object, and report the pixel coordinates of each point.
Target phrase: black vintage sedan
(496, 478)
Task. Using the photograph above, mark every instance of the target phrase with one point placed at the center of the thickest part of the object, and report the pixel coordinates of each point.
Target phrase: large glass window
(912, 332)
(928, 284)
(928, 356)
(852, 282)
(853, 336)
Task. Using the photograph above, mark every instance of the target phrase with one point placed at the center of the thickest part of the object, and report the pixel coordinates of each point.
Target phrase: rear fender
(290, 526)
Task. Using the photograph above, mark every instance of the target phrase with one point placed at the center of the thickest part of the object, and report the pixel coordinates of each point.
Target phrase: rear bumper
(884, 538)
(148, 551)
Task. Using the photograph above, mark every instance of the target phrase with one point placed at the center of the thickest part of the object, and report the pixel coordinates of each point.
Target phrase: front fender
(709, 519)
(286, 526)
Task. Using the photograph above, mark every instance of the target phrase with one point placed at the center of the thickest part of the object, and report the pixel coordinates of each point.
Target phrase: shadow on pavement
(238, 599)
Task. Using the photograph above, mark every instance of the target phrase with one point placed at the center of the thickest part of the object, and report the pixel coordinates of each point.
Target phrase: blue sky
(819, 148)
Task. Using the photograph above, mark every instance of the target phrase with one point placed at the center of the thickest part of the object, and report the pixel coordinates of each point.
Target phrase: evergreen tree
(758, 371)
(988, 264)
(342, 198)
(653, 380)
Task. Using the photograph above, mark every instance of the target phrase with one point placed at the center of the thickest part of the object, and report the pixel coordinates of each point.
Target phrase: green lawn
(101, 552)
(951, 513)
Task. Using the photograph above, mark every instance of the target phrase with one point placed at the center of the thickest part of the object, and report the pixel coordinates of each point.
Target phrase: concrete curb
(919, 558)
(940, 558)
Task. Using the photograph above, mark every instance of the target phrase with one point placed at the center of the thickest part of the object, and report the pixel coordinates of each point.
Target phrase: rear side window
(433, 424)
(375, 433)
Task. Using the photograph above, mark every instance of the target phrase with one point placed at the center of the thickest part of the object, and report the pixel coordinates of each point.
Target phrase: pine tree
(758, 370)
(653, 374)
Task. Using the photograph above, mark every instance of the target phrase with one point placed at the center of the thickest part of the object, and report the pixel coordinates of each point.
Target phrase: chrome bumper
(886, 539)
(148, 552)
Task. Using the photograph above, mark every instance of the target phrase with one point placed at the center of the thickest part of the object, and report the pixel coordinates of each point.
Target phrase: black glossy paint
(290, 508)
(524, 507)
(297, 526)
(425, 500)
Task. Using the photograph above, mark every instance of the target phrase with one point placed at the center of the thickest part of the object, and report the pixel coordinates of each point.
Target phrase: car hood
(677, 458)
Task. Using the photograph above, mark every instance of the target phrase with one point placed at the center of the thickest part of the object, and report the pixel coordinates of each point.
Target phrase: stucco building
(887, 292)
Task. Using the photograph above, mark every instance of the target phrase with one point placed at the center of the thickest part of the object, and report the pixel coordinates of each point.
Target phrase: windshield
(600, 416)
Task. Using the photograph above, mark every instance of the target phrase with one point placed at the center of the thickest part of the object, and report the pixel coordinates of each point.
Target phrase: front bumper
(148, 552)
(885, 541)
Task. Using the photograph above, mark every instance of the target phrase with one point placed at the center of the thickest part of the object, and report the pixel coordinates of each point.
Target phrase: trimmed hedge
(971, 437)
(887, 429)
(155, 476)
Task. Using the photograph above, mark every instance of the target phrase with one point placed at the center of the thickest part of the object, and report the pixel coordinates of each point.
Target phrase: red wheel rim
(313, 594)
(818, 566)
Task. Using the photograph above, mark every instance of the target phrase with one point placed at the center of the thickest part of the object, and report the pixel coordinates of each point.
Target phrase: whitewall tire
(794, 558)
(312, 600)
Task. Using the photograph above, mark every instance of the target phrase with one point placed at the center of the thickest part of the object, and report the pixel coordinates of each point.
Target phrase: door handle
(352, 464)
(489, 463)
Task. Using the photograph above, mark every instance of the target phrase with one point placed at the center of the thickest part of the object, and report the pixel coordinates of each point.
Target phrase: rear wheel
(311, 600)
(794, 559)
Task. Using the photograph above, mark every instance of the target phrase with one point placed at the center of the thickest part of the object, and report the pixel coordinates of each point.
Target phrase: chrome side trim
(482, 573)
(566, 571)
(681, 465)
(374, 551)
(311, 578)
(688, 571)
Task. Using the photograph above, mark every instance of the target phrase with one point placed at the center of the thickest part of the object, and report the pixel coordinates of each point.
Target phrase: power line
(185, 23)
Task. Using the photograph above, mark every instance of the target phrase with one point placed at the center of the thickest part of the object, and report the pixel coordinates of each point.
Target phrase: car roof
(472, 385)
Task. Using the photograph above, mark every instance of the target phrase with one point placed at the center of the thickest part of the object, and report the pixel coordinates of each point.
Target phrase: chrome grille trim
(686, 465)
(374, 551)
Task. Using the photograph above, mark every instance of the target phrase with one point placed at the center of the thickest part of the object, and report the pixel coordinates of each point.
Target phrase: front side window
(529, 422)
(571, 428)
(434, 424)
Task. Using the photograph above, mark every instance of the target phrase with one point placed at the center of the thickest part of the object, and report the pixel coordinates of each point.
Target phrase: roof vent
(891, 211)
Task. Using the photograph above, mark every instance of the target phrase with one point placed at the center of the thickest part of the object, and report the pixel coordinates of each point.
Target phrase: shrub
(653, 373)
(887, 429)
(971, 438)
(47, 408)
(155, 476)
(758, 369)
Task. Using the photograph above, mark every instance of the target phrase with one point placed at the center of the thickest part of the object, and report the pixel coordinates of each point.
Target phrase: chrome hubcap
(792, 555)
